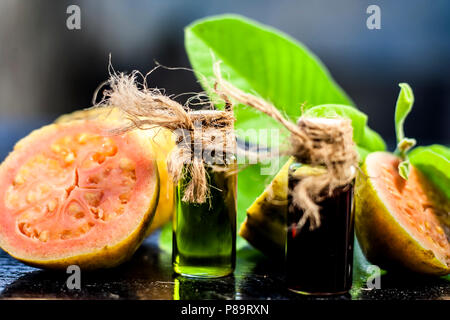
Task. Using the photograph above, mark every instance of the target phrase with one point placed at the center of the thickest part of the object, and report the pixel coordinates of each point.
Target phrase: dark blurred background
(47, 70)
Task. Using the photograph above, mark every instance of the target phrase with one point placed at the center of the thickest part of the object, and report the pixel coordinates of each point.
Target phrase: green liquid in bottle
(204, 235)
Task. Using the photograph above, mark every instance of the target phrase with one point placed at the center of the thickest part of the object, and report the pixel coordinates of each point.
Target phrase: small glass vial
(320, 261)
(204, 234)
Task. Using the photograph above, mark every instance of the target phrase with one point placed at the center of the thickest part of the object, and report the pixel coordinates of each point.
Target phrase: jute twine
(196, 131)
(314, 142)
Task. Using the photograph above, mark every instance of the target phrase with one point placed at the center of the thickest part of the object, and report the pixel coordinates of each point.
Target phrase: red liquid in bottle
(320, 261)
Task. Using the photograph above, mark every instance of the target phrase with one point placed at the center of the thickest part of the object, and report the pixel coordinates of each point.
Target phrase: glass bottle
(320, 261)
(204, 235)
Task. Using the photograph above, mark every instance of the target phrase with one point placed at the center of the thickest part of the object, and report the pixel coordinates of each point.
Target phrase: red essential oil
(320, 261)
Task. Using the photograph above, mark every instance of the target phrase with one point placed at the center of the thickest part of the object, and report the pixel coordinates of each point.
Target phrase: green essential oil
(204, 235)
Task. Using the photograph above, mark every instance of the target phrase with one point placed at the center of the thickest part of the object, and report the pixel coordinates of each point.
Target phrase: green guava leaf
(403, 169)
(365, 138)
(434, 162)
(403, 107)
(358, 118)
(363, 153)
(270, 64)
(263, 61)
(165, 238)
(372, 141)
(440, 149)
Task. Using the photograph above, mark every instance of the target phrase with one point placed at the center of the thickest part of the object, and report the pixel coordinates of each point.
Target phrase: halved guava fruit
(69, 194)
(163, 142)
(401, 222)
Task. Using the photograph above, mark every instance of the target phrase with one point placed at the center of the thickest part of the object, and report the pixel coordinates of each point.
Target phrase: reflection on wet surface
(148, 275)
(211, 289)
